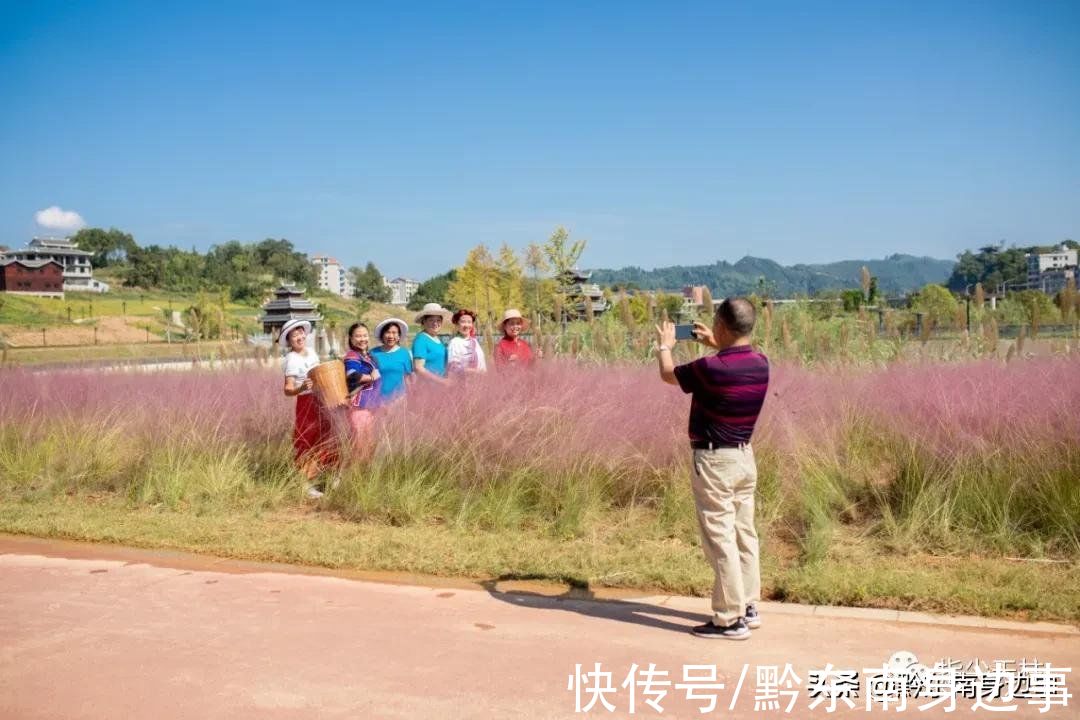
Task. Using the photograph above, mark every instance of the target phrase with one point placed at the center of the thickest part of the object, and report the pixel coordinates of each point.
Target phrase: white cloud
(55, 218)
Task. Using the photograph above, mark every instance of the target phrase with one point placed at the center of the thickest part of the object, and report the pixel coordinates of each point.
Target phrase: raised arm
(665, 337)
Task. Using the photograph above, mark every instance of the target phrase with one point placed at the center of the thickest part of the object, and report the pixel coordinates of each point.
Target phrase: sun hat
(291, 325)
(513, 314)
(432, 309)
(403, 327)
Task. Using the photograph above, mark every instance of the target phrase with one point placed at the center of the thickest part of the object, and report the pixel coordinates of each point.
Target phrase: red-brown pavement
(86, 633)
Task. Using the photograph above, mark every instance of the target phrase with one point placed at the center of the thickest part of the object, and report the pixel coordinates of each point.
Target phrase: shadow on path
(580, 599)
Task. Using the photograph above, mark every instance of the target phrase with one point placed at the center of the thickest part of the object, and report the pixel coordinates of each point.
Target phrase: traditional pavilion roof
(39, 249)
(289, 303)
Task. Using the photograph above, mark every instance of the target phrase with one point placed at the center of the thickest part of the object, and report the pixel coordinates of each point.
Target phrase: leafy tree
(236, 266)
(672, 304)
(509, 278)
(370, 284)
(184, 270)
(563, 255)
(937, 304)
(476, 284)
(246, 271)
(146, 267)
(281, 260)
(538, 291)
(206, 319)
(1068, 300)
(991, 265)
(109, 247)
(1038, 307)
(853, 299)
(434, 289)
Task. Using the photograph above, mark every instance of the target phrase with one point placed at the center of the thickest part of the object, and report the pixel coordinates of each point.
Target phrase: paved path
(96, 632)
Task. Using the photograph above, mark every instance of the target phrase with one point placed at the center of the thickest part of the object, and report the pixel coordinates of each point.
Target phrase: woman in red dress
(314, 441)
(512, 351)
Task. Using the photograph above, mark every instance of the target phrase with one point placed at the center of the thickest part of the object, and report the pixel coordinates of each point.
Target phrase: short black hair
(738, 315)
(387, 326)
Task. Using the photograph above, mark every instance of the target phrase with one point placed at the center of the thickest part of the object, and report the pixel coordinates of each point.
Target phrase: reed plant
(980, 456)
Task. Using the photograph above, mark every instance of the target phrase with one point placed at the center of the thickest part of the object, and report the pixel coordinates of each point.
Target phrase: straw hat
(432, 309)
(512, 314)
(291, 325)
(403, 327)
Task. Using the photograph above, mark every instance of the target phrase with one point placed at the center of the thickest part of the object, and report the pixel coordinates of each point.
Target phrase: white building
(78, 273)
(401, 290)
(1049, 270)
(332, 276)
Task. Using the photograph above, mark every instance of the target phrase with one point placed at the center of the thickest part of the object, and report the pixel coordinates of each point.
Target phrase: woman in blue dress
(394, 361)
(428, 351)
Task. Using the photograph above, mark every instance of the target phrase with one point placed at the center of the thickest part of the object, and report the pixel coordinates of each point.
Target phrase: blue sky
(663, 133)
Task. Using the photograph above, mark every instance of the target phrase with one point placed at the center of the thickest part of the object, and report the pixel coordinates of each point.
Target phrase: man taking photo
(728, 390)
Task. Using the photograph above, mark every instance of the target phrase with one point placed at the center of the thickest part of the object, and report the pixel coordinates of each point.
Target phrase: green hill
(896, 274)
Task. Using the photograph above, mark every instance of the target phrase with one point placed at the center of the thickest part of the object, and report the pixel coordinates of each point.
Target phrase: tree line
(996, 265)
(540, 281)
(247, 271)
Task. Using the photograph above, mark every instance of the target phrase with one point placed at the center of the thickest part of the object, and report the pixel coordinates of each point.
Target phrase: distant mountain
(896, 274)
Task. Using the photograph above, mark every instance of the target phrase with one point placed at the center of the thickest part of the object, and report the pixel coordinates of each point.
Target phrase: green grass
(130, 352)
(624, 551)
(28, 311)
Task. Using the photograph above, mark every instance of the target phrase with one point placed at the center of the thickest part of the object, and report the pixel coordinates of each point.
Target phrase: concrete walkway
(91, 631)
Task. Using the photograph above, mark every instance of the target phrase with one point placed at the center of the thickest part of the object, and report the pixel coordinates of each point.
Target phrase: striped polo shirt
(728, 391)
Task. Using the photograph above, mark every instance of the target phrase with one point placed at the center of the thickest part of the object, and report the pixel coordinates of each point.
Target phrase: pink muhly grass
(221, 405)
(564, 420)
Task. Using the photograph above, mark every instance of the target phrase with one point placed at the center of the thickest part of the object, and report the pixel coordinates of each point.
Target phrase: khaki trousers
(723, 481)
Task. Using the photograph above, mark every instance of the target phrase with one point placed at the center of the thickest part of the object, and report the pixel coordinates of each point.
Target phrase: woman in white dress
(465, 355)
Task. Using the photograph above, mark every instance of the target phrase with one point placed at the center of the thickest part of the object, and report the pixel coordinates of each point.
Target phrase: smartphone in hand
(685, 332)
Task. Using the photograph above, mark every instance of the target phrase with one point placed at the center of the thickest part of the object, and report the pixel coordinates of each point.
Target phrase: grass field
(620, 553)
(133, 321)
(23, 310)
(908, 487)
(124, 353)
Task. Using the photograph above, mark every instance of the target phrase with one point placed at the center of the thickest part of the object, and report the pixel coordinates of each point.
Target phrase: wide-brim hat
(513, 314)
(291, 325)
(433, 309)
(403, 327)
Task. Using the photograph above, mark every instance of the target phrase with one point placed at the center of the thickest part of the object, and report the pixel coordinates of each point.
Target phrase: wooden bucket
(329, 381)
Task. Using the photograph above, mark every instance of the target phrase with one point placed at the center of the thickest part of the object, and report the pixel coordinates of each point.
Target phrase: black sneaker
(735, 631)
(753, 620)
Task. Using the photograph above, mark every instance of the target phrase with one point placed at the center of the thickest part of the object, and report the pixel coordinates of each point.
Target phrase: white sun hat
(403, 327)
(291, 325)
